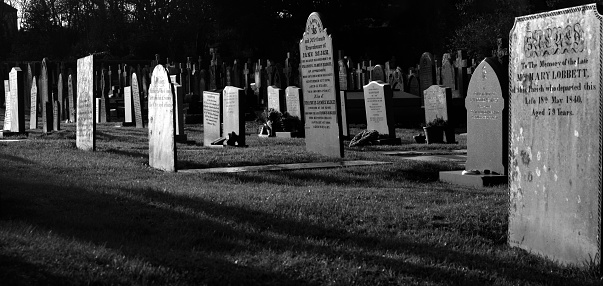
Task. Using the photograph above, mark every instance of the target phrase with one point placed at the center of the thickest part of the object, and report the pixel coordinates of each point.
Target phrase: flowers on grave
(275, 121)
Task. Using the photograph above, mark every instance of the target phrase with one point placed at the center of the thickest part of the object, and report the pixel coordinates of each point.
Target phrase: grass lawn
(69, 217)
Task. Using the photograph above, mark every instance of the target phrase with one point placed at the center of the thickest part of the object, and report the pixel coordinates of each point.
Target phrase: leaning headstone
(137, 102)
(378, 97)
(276, 99)
(437, 102)
(555, 135)
(211, 117)
(162, 144)
(234, 116)
(323, 129)
(427, 74)
(85, 122)
(33, 111)
(293, 99)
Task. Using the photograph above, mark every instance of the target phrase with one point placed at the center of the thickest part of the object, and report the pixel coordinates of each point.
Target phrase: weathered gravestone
(345, 128)
(323, 129)
(14, 119)
(276, 99)
(437, 102)
(137, 102)
(427, 72)
(413, 85)
(85, 122)
(46, 101)
(27, 86)
(343, 72)
(211, 117)
(60, 96)
(378, 74)
(7, 104)
(101, 110)
(234, 116)
(293, 99)
(447, 73)
(179, 112)
(378, 99)
(33, 111)
(162, 144)
(128, 107)
(71, 95)
(555, 135)
(56, 120)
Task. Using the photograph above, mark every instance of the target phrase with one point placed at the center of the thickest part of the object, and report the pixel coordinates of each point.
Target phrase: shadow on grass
(188, 233)
(16, 272)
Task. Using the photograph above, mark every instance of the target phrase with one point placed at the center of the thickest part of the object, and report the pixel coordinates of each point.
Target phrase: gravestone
(212, 114)
(293, 99)
(448, 78)
(60, 101)
(101, 110)
(234, 116)
(85, 122)
(427, 75)
(162, 144)
(413, 85)
(17, 107)
(437, 102)
(345, 128)
(45, 99)
(33, 111)
(179, 112)
(276, 99)
(555, 135)
(128, 107)
(378, 97)
(323, 127)
(29, 81)
(56, 119)
(70, 94)
(7, 103)
(343, 72)
(378, 74)
(137, 102)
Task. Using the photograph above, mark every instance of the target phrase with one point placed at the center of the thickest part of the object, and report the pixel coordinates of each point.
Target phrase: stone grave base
(7, 134)
(288, 134)
(283, 167)
(457, 178)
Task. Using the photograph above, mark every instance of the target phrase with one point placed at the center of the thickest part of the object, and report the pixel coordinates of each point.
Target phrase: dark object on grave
(364, 138)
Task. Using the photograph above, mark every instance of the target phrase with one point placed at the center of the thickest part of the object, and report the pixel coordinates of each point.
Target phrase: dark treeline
(65, 30)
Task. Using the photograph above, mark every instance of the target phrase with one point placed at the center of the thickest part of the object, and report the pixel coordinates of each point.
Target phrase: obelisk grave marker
(323, 129)
(555, 135)
(85, 121)
(162, 144)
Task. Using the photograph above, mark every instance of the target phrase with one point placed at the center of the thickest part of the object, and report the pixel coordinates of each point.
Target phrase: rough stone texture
(70, 94)
(33, 111)
(234, 116)
(44, 96)
(85, 122)
(437, 102)
(276, 98)
(427, 74)
(293, 100)
(555, 135)
(487, 119)
(136, 96)
(377, 102)
(323, 129)
(212, 117)
(448, 78)
(162, 144)
(17, 105)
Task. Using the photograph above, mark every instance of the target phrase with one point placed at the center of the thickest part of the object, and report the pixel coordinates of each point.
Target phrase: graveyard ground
(74, 217)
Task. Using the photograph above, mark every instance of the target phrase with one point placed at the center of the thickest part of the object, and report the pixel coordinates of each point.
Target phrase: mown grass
(70, 217)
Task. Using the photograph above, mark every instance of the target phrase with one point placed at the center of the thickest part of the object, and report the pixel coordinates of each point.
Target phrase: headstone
(137, 102)
(85, 122)
(461, 73)
(128, 106)
(16, 106)
(323, 129)
(413, 85)
(448, 78)
(61, 101)
(378, 74)
(343, 72)
(211, 117)
(8, 106)
(33, 111)
(437, 101)
(398, 80)
(234, 115)
(70, 94)
(46, 101)
(56, 116)
(293, 99)
(179, 112)
(555, 135)
(101, 107)
(345, 129)
(427, 76)
(378, 97)
(162, 144)
(29, 81)
(276, 98)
